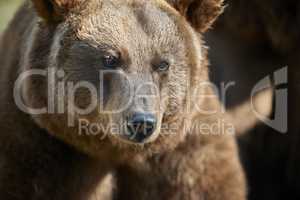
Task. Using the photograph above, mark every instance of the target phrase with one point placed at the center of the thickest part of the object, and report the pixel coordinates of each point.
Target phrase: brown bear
(249, 42)
(99, 86)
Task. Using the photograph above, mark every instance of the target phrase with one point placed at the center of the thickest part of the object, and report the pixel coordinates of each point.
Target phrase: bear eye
(163, 66)
(110, 61)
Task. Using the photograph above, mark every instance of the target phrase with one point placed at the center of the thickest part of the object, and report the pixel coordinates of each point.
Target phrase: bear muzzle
(140, 127)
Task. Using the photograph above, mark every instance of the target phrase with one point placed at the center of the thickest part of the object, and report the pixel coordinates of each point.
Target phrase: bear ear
(200, 13)
(54, 10)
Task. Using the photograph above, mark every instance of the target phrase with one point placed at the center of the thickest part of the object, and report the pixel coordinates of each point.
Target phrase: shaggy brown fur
(41, 157)
(250, 41)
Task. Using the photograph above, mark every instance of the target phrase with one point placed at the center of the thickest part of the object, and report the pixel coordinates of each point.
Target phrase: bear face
(129, 67)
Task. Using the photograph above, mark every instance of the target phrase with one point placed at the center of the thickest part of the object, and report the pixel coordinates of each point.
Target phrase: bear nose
(140, 126)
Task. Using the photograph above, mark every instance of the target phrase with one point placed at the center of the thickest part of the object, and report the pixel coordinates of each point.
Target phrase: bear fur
(44, 158)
